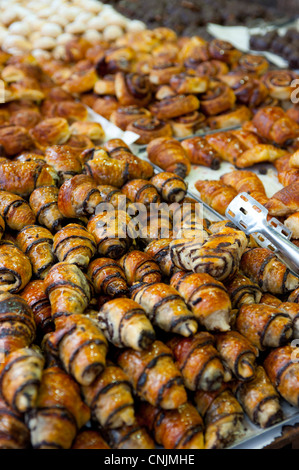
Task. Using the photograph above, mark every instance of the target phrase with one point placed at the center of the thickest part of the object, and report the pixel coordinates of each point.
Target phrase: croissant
(168, 154)
(74, 244)
(130, 437)
(78, 197)
(64, 160)
(14, 433)
(15, 268)
(22, 178)
(200, 152)
(51, 131)
(216, 194)
(259, 399)
(247, 182)
(36, 242)
(112, 233)
(242, 291)
(89, 439)
(154, 375)
(108, 277)
(159, 251)
(140, 267)
(172, 188)
(20, 377)
(15, 211)
(258, 154)
(110, 398)
(81, 347)
(44, 204)
(227, 146)
(35, 296)
(174, 429)
(58, 413)
(234, 117)
(68, 289)
(141, 191)
(223, 417)
(264, 269)
(198, 361)
(14, 139)
(125, 324)
(285, 173)
(272, 123)
(238, 353)
(290, 307)
(281, 366)
(165, 308)
(264, 325)
(285, 202)
(17, 325)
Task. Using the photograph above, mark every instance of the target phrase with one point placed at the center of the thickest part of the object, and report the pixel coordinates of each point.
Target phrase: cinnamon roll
(218, 98)
(279, 83)
(132, 89)
(126, 115)
(149, 128)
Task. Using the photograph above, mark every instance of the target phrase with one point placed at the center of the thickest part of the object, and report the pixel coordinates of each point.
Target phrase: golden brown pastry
(44, 204)
(273, 124)
(227, 145)
(15, 211)
(130, 437)
(279, 83)
(285, 202)
(78, 197)
(15, 268)
(174, 106)
(132, 89)
(172, 188)
(217, 99)
(70, 110)
(168, 154)
(14, 434)
(149, 128)
(159, 250)
(200, 152)
(154, 375)
(92, 130)
(140, 267)
(224, 51)
(89, 439)
(285, 173)
(188, 83)
(187, 124)
(37, 299)
(141, 191)
(231, 118)
(125, 115)
(212, 68)
(105, 105)
(253, 63)
(81, 81)
(14, 139)
(64, 160)
(247, 182)
(161, 73)
(292, 223)
(51, 131)
(243, 291)
(108, 277)
(74, 244)
(216, 194)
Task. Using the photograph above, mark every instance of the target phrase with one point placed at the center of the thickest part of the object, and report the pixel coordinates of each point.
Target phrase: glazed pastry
(15, 211)
(264, 268)
(105, 85)
(227, 145)
(264, 326)
(188, 83)
(168, 154)
(246, 182)
(174, 106)
(108, 277)
(81, 347)
(216, 194)
(132, 89)
(281, 366)
(154, 376)
(165, 308)
(162, 73)
(68, 290)
(243, 291)
(259, 399)
(198, 361)
(253, 63)
(172, 188)
(285, 173)
(70, 110)
(125, 324)
(36, 242)
(44, 204)
(159, 250)
(223, 417)
(217, 99)
(58, 413)
(212, 68)
(51, 131)
(273, 124)
(81, 81)
(200, 152)
(111, 194)
(174, 429)
(37, 299)
(112, 233)
(248, 89)
(232, 118)
(206, 298)
(238, 353)
(110, 398)
(74, 244)
(130, 437)
(140, 267)
(224, 51)
(13, 431)
(141, 191)
(258, 154)
(92, 130)
(89, 439)
(279, 83)
(290, 307)
(125, 115)
(78, 197)
(20, 377)
(14, 140)
(17, 325)
(105, 105)
(285, 202)
(187, 124)
(15, 268)
(149, 128)
(64, 160)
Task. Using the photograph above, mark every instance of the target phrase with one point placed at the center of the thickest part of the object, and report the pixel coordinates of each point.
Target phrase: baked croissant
(285, 173)
(272, 123)
(198, 361)
(264, 269)
(216, 194)
(14, 140)
(165, 307)
(223, 417)
(140, 267)
(74, 244)
(15, 211)
(238, 353)
(89, 439)
(108, 277)
(285, 202)
(248, 182)
(130, 437)
(172, 188)
(154, 375)
(78, 197)
(36, 242)
(35, 296)
(15, 268)
(59, 411)
(168, 154)
(44, 204)
(281, 366)
(64, 160)
(200, 152)
(174, 429)
(14, 434)
(243, 291)
(264, 326)
(141, 191)
(207, 299)
(68, 289)
(159, 251)
(81, 347)
(259, 399)
(110, 398)
(20, 377)
(125, 324)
